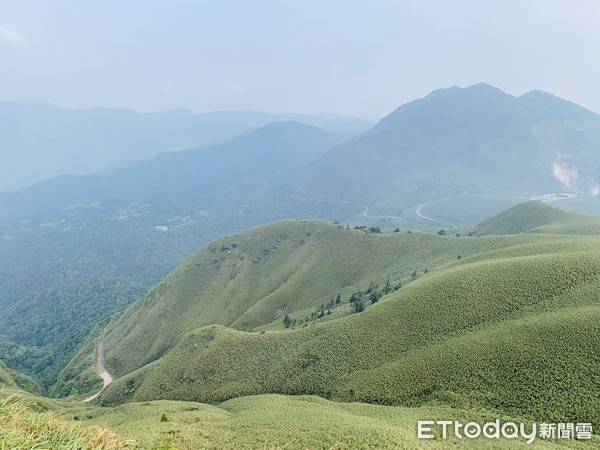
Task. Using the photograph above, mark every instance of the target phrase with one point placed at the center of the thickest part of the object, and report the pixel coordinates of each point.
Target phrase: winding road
(106, 377)
(431, 219)
(365, 212)
(549, 198)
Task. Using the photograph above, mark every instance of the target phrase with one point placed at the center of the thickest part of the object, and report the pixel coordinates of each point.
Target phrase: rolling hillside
(536, 217)
(249, 282)
(499, 323)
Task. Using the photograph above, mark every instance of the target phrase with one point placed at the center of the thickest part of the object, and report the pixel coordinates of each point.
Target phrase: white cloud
(10, 36)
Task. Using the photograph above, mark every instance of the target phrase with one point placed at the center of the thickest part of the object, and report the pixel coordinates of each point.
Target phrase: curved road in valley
(106, 377)
(549, 198)
(365, 212)
(431, 219)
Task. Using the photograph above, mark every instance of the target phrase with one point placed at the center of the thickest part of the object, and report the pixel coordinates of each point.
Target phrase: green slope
(5, 377)
(508, 324)
(10, 378)
(251, 280)
(497, 326)
(538, 217)
(265, 421)
(346, 359)
(275, 421)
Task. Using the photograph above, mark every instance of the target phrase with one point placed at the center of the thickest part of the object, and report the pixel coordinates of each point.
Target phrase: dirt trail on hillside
(106, 377)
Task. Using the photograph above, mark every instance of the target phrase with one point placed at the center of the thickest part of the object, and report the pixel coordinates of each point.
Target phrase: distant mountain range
(264, 152)
(98, 241)
(40, 140)
(476, 140)
(489, 147)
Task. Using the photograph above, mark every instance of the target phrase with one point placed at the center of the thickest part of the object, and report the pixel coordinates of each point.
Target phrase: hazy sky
(359, 57)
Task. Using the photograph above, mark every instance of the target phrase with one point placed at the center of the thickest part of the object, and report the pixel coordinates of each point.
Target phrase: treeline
(358, 300)
(40, 340)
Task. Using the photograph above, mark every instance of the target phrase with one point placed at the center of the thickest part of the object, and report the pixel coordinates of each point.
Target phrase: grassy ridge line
(252, 280)
(276, 421)
(538, 217)
(216, 363)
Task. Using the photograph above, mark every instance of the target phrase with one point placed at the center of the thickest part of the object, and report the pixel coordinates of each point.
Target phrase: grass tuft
(24, 427)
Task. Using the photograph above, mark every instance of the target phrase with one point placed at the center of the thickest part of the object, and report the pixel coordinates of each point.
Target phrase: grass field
(252, 280)
(257, 422)
(302, 422)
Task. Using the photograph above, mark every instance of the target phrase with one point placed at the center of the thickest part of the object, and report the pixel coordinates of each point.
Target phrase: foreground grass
(281, 422)
(255, 422)
(23, 427)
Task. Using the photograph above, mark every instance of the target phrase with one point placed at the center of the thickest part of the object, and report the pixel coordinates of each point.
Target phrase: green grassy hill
(252, 280)
(500, 323)
(250, 338)
(538, 217)
(469, 335)
(303, 422)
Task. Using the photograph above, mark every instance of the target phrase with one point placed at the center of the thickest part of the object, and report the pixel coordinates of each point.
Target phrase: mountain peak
(479, 89)
(284, 129)
(485, 87)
